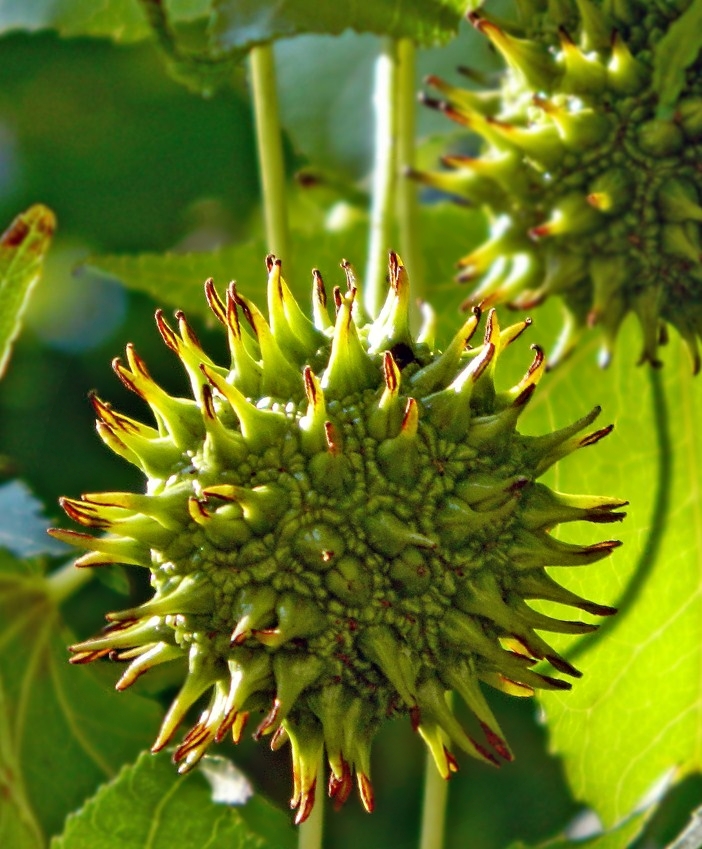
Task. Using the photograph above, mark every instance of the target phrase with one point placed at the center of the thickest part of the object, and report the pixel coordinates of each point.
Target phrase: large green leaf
(149, 806)
(121, 20)
(637, 713)
(22, 249)
(61, 732)
(244, 23)
(177, 279)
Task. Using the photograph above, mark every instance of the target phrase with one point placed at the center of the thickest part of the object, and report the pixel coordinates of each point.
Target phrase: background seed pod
(590, 168)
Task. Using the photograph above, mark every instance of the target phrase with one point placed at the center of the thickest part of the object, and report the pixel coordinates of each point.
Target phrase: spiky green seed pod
(593, 195)
(341, 526)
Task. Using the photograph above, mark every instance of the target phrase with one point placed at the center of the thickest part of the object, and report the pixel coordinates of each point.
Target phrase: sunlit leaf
(637, 712)
(62, 733)
(149, 806)
(22, 249)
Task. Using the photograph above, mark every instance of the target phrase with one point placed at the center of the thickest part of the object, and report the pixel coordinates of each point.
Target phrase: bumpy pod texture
(593, 190)
(342, 526)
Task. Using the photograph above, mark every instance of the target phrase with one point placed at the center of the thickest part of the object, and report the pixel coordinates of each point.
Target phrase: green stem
(270, 151)
(64, 582)
(385, 94)
(407, 206)
(433, 807)
(309, 835)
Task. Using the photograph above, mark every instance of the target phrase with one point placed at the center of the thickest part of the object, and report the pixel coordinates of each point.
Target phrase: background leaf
(244, 23)
(674, 54)
(637, 713)
(62, 731)
(22, 527)
(22, 249)
(121, 20)
(621, 837)
(177, 279)
(149, 806)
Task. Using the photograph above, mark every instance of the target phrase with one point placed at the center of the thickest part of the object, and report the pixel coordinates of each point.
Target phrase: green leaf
(22, 249)
(22, 527)
(637, 712)
(621, 837)
(150, 806)
(55, 719)
(120, 20)
(245, 23)
(674, 54)
(177, 279)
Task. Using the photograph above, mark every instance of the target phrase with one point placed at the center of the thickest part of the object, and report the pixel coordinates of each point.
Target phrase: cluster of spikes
(341, 525)
(594, 191)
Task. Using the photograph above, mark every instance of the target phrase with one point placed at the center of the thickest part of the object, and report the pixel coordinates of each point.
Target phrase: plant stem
(270, 151)
(385, 94)
(434, 803)
(433, 807)
(64, 582)
(310, 832)
(407, 207)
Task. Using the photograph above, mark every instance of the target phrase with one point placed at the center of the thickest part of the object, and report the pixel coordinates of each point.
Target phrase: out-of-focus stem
(433, 807)
(66, 581)
(310, 832)
(270, 151)
(385, 93)
(407, 207)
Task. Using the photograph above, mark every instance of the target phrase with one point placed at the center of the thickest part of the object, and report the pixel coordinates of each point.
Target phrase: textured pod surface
(342, 525)
(593, 188)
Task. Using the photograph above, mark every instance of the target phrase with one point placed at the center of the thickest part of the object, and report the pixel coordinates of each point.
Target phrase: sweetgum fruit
(592, 182)
(341, 526)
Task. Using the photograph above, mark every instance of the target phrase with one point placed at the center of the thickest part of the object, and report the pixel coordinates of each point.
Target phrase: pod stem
(310, 832)
(270, 151)
(407, 206)
(64, 582)
(434, 805)
(385, 96)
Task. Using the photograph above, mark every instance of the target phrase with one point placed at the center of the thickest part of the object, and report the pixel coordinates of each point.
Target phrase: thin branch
(310, 832)
(407, 206)
(384, 174)
(270, 151)
(433, 807)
